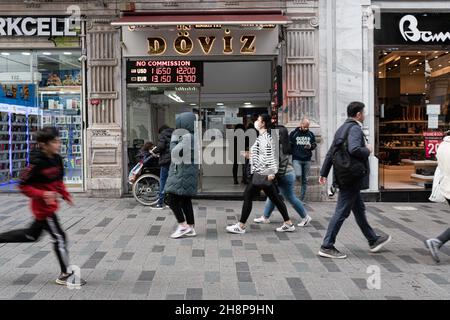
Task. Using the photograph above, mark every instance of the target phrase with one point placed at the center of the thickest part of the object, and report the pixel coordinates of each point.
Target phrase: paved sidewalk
(125, 252)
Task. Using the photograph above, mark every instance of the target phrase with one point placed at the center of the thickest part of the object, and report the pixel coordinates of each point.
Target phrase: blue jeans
(348, 200)
(163, 175)
(286, 185)
(302, 172)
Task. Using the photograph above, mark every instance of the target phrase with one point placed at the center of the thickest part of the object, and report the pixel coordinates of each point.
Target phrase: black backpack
(347, 169)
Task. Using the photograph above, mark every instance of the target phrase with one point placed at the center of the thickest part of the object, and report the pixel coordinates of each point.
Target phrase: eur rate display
(164, 72)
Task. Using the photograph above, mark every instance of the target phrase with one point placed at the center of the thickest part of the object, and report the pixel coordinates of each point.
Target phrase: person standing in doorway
(443, 158)
(235, 156)
(351, 136)
(42, 182)
(163, 149)
(263, 165)
(303, 142)
(181, 183)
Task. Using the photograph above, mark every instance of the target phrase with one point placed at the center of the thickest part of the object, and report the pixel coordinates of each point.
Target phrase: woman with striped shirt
(262, 162)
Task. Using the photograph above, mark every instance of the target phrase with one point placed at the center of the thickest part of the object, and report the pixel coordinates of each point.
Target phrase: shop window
(40, 88)
(409, 84)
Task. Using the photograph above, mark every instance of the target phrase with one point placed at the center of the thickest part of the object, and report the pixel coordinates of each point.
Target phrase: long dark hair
(267, 122)
(284, 138)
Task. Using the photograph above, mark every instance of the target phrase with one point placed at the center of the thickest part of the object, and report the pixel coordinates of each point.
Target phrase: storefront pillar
(104, 132)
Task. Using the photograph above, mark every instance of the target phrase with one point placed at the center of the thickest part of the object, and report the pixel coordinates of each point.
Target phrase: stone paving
(125, 252)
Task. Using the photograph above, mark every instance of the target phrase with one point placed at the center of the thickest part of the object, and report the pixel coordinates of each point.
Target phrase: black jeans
(181, 207)
(445, 236)
(348, 200)
(271, 192)
(33, 233)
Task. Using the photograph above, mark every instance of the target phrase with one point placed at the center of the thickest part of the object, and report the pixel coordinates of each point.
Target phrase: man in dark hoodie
(163, 149)
(303, 142)
(42, 182)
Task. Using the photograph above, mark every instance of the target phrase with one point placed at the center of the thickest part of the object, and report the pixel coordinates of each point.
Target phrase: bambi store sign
(199, 42)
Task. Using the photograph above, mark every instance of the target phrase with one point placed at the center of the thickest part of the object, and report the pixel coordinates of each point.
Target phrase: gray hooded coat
(183, 175)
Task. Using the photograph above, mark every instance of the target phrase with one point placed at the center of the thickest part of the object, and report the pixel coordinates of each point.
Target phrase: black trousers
(271, 192)
(33, 233)
(181, 207)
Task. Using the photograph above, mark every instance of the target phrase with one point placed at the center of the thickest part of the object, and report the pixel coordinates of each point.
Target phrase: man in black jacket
(163, 149)
(349, 198)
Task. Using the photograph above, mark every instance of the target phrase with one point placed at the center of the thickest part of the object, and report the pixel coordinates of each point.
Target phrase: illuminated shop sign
(37, 26)
(196, 41)
(414, 28)
(164, 72)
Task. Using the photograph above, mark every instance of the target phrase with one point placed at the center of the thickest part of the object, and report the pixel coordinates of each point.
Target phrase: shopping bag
(135, 172)
(436, 194)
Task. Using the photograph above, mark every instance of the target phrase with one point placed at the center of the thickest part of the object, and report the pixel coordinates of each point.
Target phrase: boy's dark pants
(34, 231)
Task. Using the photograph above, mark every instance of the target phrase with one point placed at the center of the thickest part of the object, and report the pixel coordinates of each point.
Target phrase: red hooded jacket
(41, 175)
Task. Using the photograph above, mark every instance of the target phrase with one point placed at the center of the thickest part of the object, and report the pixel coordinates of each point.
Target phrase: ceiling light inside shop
(67, 53)
(220, 104)
(407, 58)
(46, 53)
(419, 52)
(247, 103)
(5, 53)
(173, 95)
(440, 65)
(26, 53)
(192, 104)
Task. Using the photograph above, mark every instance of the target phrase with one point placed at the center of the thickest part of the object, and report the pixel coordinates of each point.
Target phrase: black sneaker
(377, 245)
(332, 253)
(69, 279)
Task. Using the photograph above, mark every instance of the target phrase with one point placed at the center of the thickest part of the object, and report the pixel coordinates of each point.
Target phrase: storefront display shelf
(403, 121)
(401, 135)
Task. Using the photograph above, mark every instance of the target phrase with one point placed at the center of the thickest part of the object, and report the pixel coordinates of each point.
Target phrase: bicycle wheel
(146, 189)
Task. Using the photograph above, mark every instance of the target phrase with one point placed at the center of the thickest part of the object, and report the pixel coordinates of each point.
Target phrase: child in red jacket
(42, 182)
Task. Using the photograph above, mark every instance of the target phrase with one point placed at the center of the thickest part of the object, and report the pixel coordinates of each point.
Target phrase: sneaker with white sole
(433, 245)
(181, 231)
(377, 245)
(236, 228)
(261, 219)
(70, 280)
(305, 222)
(332, 253)
(192, 233)
(286, 228)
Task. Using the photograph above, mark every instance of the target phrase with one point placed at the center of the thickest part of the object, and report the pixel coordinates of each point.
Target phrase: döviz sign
(36, 26)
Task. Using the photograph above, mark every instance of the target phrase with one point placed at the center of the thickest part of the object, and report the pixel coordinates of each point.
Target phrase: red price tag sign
(432, 141)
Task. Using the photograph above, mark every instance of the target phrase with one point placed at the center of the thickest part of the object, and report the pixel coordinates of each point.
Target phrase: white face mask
(257, 125)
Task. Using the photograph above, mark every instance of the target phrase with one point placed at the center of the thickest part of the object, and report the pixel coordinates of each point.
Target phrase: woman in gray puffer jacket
(181, 184)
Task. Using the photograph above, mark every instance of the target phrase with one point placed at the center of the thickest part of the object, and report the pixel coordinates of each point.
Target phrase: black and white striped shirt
(262, 158)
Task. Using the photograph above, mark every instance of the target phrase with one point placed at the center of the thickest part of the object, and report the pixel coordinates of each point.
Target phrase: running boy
(42, 181)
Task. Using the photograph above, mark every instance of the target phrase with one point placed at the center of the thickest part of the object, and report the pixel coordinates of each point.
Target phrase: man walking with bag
(349, 156)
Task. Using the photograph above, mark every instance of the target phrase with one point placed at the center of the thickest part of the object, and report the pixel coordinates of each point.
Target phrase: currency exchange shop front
(226, 74)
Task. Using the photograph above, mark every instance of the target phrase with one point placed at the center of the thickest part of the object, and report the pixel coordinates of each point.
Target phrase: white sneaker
(305, 221)
(261, 219)
(181, 231)
(286, 228)
(235, 228)
(192, 233)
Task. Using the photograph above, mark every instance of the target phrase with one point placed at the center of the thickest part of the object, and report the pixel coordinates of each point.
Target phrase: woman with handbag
(263, 166)
(286, 182)
(442, 187)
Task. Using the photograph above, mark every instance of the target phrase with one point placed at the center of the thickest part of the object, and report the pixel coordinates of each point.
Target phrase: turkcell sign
(37, 26)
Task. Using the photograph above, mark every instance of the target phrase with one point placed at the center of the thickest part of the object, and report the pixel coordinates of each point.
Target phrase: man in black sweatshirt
(303, 142)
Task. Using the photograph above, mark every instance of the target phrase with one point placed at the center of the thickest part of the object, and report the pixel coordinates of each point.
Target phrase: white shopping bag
(436, 194)
(134, 173)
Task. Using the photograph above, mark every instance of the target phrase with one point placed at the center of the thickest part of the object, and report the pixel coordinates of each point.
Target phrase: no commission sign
(37, 26)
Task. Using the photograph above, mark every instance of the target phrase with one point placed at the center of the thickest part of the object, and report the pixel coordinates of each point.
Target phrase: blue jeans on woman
(286, 184)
